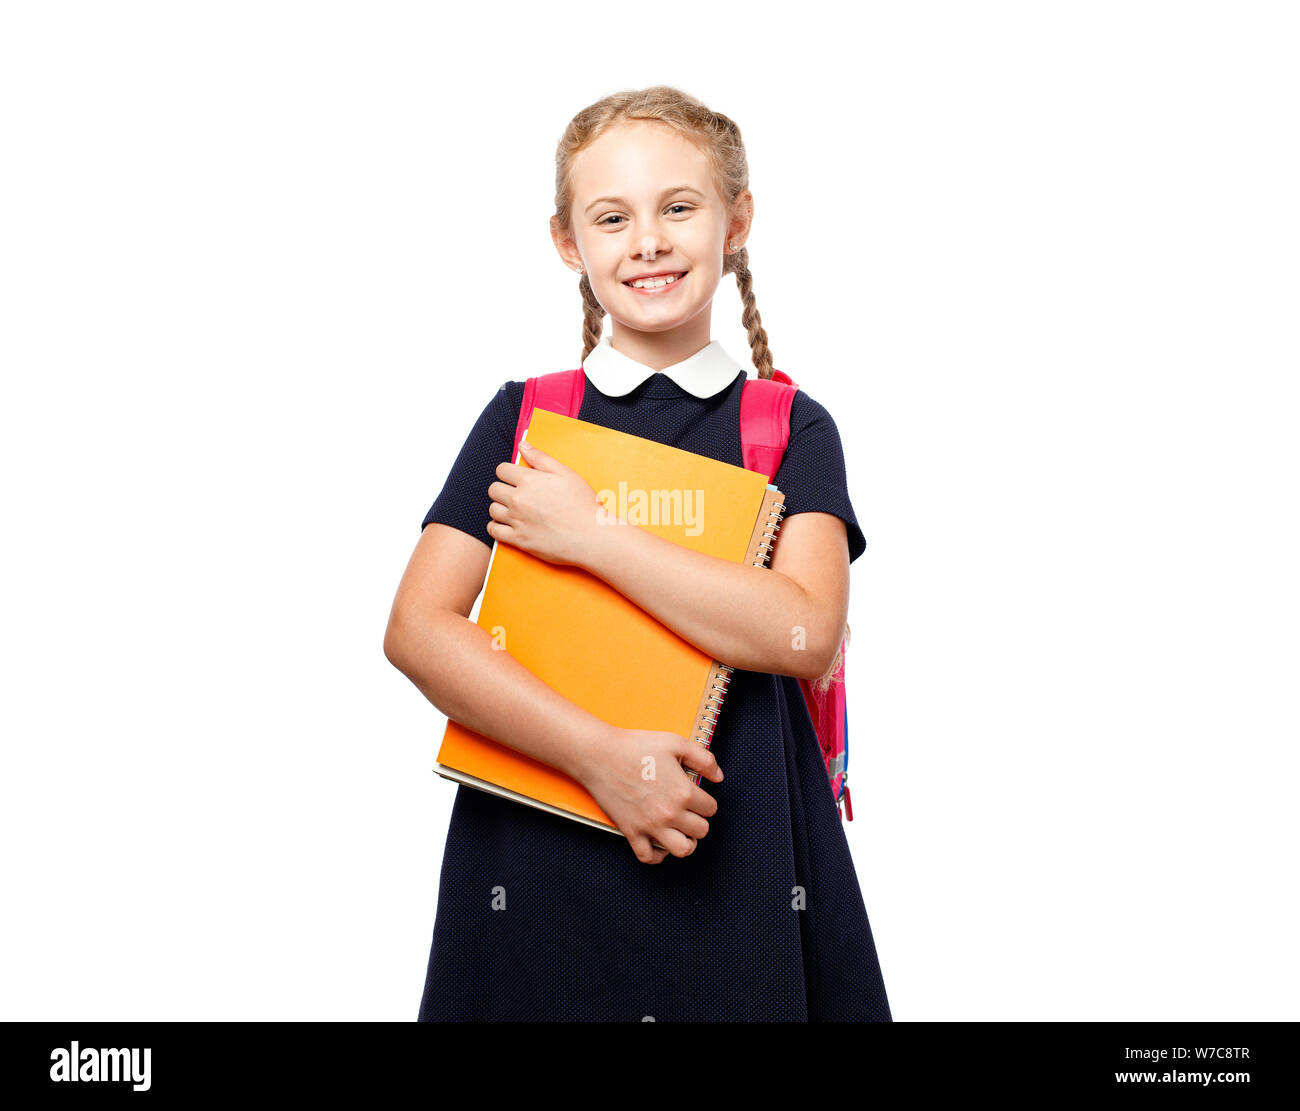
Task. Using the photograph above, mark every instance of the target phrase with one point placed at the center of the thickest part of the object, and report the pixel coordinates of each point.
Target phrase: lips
(676, 275)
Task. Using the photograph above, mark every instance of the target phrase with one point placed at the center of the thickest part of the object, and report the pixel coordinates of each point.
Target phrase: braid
(738, 263)
(719, 136)
(593, 317)
(823, 682)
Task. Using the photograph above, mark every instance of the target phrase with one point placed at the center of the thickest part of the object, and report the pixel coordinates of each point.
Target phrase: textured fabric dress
(765, 921)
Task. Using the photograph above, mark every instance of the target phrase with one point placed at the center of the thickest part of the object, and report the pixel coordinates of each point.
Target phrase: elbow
(395, 641)
(409, 635)
(815, 645)
(819, 655)
(813, 665)
(392, 646)
(809, 661)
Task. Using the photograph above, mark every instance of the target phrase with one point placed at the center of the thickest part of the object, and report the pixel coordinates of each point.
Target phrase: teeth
(652, 283)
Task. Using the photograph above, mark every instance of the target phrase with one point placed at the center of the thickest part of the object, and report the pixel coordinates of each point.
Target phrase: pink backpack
(764, 434)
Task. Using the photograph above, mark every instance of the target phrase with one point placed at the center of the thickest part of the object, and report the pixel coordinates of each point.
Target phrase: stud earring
(732, 246)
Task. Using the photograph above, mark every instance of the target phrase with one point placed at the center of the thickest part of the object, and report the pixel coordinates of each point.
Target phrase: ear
(565, 245)
(742, 216)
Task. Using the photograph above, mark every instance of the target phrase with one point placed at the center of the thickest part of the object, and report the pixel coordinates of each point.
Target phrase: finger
(502, 492)
(701, 802)
(503, 533)
(693, 825)
(676, 842)
(698, 758)
(538, 459)
(641, 846)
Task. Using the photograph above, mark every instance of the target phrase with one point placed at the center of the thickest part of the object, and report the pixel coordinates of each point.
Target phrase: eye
(615, 216)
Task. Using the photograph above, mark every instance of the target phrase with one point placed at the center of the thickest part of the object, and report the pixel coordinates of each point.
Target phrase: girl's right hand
(637, 779)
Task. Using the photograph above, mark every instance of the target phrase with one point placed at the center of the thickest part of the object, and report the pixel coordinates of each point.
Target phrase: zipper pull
(848, 802)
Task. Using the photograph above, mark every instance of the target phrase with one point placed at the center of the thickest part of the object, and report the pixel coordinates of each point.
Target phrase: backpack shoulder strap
(764, 436)
(559, 392)
(765, 421)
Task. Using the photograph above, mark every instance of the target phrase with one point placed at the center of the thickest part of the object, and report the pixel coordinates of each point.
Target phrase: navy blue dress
(589, 933)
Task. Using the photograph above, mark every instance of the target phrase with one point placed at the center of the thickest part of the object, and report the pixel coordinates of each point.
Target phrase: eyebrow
(666, 193)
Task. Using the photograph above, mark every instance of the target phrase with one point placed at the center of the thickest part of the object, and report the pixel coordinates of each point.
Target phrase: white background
(264, 263)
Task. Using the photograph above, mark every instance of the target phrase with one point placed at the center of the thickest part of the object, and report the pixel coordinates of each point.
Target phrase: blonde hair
(718, 136)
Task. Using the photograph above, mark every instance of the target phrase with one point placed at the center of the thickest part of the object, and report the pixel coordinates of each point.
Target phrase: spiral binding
(768, 540)
(718, 686)
(712, 705)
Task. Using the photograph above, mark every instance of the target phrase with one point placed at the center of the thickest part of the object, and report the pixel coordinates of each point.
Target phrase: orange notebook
(583, 638)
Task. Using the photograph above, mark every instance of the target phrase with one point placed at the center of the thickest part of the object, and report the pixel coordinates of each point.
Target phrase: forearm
(751, 618)
(454, 664)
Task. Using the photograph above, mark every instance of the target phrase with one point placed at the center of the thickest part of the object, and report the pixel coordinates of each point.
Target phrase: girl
(759, 915)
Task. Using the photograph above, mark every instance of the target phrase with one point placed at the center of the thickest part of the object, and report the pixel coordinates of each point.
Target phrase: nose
(648, 248)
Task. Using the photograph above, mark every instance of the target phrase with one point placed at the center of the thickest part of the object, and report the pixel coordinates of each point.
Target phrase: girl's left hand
(546, 508)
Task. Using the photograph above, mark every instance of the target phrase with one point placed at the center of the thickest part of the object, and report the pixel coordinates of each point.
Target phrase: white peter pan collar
(703, 374)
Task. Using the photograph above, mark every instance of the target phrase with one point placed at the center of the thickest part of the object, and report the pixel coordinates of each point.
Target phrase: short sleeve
(812, 475)
(464, 501)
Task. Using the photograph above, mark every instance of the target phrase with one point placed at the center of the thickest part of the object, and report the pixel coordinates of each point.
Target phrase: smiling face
(641, 190)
